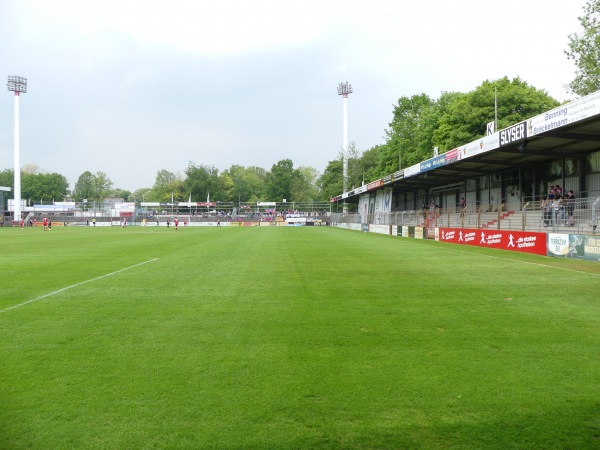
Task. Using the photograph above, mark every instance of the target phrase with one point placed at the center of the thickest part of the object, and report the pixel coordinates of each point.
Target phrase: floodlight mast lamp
(344, 89)
(18, 85)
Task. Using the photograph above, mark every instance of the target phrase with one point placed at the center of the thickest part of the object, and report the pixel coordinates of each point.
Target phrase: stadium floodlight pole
(344, 89)
(18, 85)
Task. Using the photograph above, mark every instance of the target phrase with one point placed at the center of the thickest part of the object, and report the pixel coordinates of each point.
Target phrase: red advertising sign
(518, 241)
(375, 184)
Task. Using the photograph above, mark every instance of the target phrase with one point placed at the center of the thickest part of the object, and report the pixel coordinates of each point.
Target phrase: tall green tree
(464, 117)
(92, 187)
(202, 181)
(84, 188)
(280, 180)
(44, 187)
(330, 183)
(584, 50)
(103, 185)
(167, 186)
(355, 171)
(140, 195)
(7, 178)
(405, 138)
(246, 184)
(120, 193)
(369, 164)
(304, 184)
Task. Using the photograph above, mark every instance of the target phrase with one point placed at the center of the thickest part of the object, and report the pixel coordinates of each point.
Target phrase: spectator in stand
(570, 208)
(557, 191)
(556, 209)
(547, 209)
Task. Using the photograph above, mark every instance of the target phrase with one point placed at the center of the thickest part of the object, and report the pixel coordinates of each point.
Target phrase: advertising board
(577, 246)
(518, 241)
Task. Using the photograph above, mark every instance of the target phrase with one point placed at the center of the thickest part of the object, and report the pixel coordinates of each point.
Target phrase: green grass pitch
(298, 337)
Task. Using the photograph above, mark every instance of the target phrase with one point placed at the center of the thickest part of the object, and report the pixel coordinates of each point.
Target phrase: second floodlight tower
(344, 89)
(18, 85)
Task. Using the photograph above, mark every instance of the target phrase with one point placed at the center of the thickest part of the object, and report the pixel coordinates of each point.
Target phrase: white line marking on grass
(532, 263)
(76, 285)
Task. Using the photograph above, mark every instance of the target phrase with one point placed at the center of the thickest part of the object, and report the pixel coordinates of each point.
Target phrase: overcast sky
(129, 87)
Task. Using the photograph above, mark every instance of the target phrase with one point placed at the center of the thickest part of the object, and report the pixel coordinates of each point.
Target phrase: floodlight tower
(344, 89)
(17, 85)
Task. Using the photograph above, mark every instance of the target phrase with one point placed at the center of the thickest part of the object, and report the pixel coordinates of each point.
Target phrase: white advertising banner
(572, 112)
(363, 208)
(380, 229)
(558, 244)
(412, 170)
(482, 145)
(387, 199)
(380, 202)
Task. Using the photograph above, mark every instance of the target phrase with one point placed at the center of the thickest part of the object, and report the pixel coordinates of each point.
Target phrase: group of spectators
(558, 206)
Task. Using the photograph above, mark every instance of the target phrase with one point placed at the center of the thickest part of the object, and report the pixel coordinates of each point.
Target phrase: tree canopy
(92, 187)
(584, 50)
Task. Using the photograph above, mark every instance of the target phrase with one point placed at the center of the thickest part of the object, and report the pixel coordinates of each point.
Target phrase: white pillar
(17, 186)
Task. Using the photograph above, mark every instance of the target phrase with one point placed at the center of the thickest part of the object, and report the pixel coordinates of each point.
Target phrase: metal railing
(580, 215)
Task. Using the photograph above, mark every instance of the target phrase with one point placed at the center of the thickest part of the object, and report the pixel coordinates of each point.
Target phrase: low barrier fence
(579, 215)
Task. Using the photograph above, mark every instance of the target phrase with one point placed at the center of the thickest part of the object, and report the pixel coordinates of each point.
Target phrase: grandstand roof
(567, 141)
(568, 130)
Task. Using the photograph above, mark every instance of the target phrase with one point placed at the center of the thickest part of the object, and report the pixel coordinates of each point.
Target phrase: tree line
(419, 124)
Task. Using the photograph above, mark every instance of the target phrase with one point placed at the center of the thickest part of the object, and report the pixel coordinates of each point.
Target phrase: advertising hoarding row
(560, 245)
(557, 245)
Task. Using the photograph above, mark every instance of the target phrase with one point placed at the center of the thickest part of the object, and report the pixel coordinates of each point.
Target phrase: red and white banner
(517, 241)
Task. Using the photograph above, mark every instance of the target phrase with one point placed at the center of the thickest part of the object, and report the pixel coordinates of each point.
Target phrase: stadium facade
(497, 182)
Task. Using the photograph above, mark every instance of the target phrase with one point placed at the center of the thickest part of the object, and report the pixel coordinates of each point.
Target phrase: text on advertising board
(512, 134)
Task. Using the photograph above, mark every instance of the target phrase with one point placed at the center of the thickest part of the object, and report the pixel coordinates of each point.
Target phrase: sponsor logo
(374, 184)
(512, 134)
